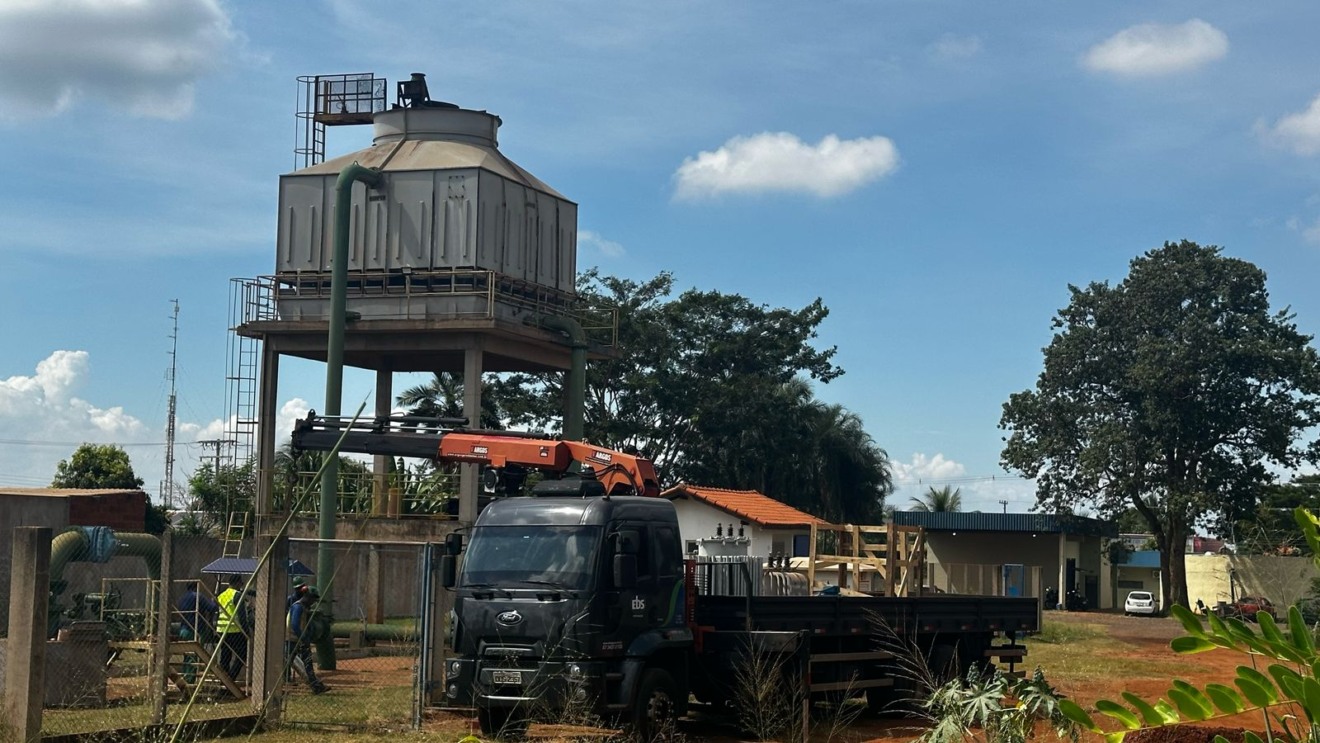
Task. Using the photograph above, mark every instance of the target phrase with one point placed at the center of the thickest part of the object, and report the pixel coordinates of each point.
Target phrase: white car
(1140, 602)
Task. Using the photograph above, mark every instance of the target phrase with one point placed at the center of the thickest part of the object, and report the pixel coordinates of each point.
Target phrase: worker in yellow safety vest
(228, 625)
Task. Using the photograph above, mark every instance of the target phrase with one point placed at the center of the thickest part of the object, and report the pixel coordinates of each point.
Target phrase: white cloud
(1298, 132)
(594, 242)
(1152, 49)
(924, 468)
(951, 47)
(43, 408)
(139, 56)
(782, 162)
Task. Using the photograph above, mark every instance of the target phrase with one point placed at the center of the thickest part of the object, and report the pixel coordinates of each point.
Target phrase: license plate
(506, 678)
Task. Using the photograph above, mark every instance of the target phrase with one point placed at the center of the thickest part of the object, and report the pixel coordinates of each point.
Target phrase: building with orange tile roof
(722, 522)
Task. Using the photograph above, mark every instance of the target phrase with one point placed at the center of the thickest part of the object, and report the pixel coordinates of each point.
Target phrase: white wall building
(718, 522)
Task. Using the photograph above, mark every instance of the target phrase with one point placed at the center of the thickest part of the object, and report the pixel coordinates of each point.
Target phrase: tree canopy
(96, 466)
(938, 500)
(1171, 392)
(715, 390)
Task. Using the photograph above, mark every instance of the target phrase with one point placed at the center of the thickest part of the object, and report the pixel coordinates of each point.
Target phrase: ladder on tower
(235, 533)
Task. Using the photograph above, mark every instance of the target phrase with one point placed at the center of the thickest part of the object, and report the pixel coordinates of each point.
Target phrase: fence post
(29, 595)
(267, 650)
(160, 646)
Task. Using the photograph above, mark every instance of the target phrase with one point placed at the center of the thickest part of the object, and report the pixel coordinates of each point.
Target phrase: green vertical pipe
(575, 402)
(334, 380)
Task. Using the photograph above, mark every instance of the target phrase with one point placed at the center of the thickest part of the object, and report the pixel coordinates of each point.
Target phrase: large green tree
(1171, 392)
(96, 466)
(714, 388)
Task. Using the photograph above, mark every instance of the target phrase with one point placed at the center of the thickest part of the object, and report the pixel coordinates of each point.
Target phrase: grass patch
(1057, 633)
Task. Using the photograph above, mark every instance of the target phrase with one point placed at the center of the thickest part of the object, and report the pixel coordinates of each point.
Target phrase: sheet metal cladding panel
(456, 212)
(412, 233)
(302, 243)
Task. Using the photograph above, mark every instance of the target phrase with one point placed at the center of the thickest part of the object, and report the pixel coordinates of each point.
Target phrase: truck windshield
(559, 556)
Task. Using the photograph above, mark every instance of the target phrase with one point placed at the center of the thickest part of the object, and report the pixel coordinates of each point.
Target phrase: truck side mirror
(625, 571)
(448, 571)
(453, 543)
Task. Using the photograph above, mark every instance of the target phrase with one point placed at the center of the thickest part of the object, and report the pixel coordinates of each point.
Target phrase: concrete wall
(379, 572)
(1283, 580)
(16, 510)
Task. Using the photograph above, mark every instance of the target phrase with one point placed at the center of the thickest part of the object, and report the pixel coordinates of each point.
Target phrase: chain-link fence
(368, 663)
(122, 652)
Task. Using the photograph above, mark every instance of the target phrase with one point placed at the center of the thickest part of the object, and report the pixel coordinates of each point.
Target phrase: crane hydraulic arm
(439, 439)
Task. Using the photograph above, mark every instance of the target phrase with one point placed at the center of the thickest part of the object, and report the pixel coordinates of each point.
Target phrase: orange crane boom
(620, 473)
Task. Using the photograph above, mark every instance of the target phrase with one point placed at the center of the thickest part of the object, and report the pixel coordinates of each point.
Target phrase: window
(669, 561)
(692, 547)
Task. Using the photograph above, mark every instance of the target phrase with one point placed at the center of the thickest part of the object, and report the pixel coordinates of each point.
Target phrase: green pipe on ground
(377, 632)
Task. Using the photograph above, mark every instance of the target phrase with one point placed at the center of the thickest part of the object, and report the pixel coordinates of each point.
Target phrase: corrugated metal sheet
(1006, 522)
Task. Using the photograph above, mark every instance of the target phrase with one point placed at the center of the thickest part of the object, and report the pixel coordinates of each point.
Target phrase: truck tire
(502, 723)
(655, 707)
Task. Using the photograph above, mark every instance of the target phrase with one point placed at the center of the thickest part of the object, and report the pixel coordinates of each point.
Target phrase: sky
(937, 172)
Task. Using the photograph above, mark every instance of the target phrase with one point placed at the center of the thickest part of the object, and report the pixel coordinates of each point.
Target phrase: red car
(1248, 607)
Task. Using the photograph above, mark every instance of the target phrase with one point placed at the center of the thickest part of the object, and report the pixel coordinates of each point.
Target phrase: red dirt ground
(1143, 641)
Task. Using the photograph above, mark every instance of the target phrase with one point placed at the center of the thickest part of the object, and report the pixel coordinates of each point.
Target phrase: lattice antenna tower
(167, 488)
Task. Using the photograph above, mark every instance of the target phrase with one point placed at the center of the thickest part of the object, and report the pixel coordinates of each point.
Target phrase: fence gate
(378, 617)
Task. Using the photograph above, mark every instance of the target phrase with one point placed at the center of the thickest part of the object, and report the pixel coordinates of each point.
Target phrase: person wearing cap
(299, 642)
(299, 587)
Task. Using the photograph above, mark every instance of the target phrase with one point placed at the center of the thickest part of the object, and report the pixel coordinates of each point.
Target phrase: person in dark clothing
(196, 624)
(299, 643)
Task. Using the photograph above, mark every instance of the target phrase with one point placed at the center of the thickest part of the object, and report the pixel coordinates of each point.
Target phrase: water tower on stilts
(454, 259)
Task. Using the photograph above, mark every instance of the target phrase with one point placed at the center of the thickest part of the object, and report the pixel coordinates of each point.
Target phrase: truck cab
(571, 605)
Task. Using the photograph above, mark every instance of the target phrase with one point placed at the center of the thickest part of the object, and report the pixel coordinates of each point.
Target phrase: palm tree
(442, 397)
(938, 500)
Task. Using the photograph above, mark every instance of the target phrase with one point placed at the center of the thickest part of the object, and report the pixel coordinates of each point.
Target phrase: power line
(122, 445)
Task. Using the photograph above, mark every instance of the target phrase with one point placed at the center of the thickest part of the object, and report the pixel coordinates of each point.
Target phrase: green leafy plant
(1005, 709)
(1286, 693)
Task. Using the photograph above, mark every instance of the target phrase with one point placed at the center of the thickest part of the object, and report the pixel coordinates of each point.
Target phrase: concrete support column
(470, 477)
(267, 409)
(380, 463)
(1063, 569)
(375, 593)
(25, 672)
(160, 646)
(271, 583)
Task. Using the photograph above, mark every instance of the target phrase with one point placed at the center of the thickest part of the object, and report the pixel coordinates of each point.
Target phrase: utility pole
(1004, 503)
(167, 488)
(215, 473)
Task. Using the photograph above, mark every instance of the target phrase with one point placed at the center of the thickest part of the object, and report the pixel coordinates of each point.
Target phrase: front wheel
(501, 723)
(656, 706)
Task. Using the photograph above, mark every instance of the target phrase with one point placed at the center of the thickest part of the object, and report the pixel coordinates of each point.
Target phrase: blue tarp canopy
(248, 566)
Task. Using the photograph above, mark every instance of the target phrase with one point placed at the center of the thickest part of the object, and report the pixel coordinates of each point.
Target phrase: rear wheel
(656, 706)
(502, 723)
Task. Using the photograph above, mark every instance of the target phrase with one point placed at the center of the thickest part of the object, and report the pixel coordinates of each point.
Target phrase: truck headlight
(574, 670)
(454, 667)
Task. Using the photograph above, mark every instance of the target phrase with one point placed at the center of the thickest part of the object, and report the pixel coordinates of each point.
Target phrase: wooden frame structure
(895, 557)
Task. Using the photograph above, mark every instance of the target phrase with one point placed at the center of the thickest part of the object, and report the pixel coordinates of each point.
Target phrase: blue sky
(937, 172)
